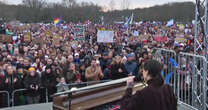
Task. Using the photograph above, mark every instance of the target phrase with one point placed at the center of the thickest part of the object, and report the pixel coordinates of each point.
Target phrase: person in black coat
(117, 69)
(12, 82)
(48, 80)
(32, 84)
(156, 96)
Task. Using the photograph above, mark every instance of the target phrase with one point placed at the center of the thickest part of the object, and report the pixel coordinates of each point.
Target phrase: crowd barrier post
(8, 100)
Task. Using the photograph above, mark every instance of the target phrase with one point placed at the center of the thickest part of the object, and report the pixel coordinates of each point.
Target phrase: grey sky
(105, 3)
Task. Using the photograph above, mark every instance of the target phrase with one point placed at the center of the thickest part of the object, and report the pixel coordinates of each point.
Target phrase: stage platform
(48, 106)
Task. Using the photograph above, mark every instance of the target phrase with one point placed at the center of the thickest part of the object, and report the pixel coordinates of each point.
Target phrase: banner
(161, 39)
(105, 36)
(181, 40)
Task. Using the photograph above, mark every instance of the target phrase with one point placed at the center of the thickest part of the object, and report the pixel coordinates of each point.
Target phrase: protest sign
(143, 37)
(79, 32)
(56, 40)
(14, 38)
(159, 38)
(181, 40)
(27, 37)
(5, 38)
(105, 36)
(48, 33)
(38, 40)
(136, 33)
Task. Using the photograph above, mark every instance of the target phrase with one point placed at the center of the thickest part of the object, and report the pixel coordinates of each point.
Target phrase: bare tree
(125, 4)
(112, 5)
(68, 3)
(34, 3)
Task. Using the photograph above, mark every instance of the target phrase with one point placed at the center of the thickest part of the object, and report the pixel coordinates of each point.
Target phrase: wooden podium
(93, 96)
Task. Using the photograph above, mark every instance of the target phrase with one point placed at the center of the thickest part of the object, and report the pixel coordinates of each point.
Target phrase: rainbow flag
(57, 21)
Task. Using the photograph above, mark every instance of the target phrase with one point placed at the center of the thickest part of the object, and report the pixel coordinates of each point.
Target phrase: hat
(105, 54)
(131, 55)
(31, 69)
(48, 67)
(76, 54)
(46, 56)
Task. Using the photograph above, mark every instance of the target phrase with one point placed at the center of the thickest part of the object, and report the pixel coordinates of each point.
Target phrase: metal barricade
(25, 90)
(192, 80)
(7, 93)
(168, 59)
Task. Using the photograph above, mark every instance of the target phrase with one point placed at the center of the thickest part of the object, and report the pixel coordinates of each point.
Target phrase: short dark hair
(93, 59)
(153, 67)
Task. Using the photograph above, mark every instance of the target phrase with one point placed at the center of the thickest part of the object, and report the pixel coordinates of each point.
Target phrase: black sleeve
(26, 83)
(19, 83)
(131, 102)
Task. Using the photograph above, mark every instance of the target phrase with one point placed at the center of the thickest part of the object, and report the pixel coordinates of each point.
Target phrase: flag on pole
(170, 23)
(129, 21)
(57, 21)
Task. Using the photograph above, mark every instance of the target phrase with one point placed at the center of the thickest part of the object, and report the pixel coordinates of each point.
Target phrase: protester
(94, 72)
(62, 86)
(118, 70)
(32, 82)
(72, 75)
(48, 80)
(131, 66)
(11, 81)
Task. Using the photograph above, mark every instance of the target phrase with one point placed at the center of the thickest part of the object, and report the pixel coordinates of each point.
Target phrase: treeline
(31, 11)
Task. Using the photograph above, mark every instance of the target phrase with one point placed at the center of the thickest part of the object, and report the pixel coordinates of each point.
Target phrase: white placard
(105, 36)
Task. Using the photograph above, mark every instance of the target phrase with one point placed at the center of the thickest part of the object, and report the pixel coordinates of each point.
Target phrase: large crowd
(41, 62)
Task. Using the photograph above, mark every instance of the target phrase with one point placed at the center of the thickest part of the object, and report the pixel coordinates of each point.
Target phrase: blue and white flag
(170, 23)
(129, 21)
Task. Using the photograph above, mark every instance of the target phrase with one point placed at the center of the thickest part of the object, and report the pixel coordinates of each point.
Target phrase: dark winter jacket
(49, 81)
(156, 96)
(115, 71)
(12, 85)
(34, 81)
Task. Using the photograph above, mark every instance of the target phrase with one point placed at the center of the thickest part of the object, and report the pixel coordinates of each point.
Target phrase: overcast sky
(105, 3)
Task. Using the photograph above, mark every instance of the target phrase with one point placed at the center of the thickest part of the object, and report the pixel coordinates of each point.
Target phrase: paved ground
(44, 106)
(48, 106)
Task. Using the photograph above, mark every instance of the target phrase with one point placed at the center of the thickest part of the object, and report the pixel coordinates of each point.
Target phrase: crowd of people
(41, 62)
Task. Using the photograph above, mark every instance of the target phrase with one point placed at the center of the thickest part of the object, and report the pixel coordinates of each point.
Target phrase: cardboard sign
(38, 41)
(56, 40)
(181, 40)
(27, 37)
(143, 37)
(5, 38)
(160, 39)
(48, 33)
